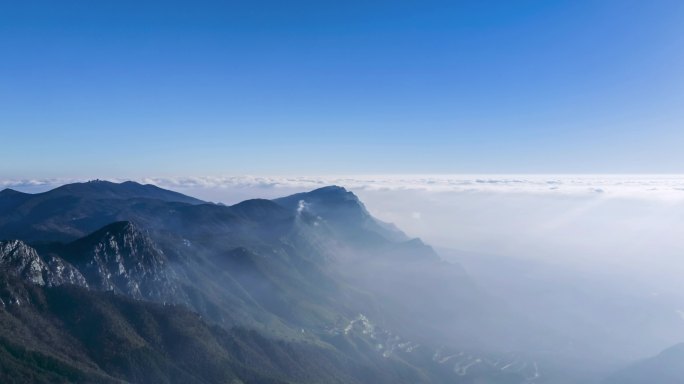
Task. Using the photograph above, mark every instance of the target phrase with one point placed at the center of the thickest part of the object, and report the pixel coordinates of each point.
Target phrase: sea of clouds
(228, 189)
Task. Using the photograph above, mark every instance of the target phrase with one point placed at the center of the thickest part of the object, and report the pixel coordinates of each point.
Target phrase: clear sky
(143, 88)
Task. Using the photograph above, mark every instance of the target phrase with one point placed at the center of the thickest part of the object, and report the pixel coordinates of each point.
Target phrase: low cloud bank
(630, 186)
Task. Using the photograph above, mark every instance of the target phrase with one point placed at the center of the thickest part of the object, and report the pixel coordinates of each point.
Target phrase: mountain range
(107, 282)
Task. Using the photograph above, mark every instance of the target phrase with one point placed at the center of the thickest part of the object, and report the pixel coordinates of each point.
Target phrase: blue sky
(117, 89)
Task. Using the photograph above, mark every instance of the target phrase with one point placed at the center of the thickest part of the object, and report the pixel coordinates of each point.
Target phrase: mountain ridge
(107, 189)
(292, 268)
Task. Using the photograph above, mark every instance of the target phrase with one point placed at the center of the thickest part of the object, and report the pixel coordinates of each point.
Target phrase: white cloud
(631, 186)
(638, 186)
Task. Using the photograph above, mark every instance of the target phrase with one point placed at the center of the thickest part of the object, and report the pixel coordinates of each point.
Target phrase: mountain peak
(123, 258)
(330, 188)
(102, 189)
(23, 261)
(11, 246)
(117, 231)
(342, 209)
(332, 195)
(120, 226)
(10, 192)
(329, 196)
(98, 181)
(334, 191)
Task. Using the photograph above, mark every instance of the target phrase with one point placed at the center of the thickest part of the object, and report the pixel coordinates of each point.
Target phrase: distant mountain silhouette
(74, 210)
(665, 368)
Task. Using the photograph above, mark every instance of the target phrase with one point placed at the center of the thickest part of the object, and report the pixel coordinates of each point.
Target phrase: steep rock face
(124, 259)
(61, 272)
(22, 261)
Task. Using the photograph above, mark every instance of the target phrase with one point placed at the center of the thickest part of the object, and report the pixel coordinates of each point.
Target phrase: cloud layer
(635, 186)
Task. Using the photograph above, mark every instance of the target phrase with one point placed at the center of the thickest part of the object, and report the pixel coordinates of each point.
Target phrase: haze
(535, 146)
